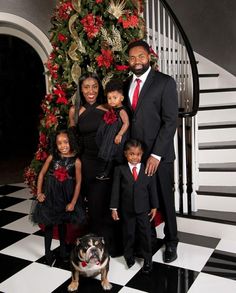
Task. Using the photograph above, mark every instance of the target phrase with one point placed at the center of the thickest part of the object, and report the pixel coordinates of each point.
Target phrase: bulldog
(89, 258)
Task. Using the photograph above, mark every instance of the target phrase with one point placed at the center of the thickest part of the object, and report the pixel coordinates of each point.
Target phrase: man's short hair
(139, 43)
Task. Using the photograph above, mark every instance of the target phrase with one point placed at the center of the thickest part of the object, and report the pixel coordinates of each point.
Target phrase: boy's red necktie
(136, 94)
(134, 172)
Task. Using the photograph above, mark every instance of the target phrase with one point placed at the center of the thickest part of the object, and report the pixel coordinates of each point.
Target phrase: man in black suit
(154, 122)
(134, 198)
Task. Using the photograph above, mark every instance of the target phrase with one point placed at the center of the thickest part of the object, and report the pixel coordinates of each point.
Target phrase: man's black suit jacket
(133, 196)
(154, 120)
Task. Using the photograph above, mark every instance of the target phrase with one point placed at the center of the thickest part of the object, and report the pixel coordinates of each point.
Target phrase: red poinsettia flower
(128, 20)
(30, 179)
(51, 120)
(61, 95)
(41, 155)
(110, 117)
(92, 24)
(61, 174)
(153, 52)
(64, 10)
(105, 59)
(122, 67)
(62, 38)
(99, 1)
(43, 140)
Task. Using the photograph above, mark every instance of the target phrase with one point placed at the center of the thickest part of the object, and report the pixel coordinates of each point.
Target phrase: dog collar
(84, 263)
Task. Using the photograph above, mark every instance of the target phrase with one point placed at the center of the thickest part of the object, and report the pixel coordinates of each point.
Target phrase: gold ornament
(76, 4)
(72, 52)
(116, 8)
(75, 72)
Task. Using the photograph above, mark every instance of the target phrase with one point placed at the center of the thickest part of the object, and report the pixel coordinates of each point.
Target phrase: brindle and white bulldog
(89, 258)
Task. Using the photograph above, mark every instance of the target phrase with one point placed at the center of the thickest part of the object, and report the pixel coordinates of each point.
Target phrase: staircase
(216, 192)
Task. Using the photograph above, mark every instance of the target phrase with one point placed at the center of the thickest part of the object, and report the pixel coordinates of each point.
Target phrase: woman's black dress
(96, 192)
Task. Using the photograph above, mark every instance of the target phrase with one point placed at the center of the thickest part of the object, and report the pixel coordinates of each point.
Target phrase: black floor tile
(11, 265)
(7, 217)
(88, 285)
(199, 240)
(9, 237)
(7, 201)
(163, 279)
(7, 189)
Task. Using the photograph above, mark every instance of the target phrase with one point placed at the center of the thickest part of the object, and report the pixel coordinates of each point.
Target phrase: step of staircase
(217, 115)
(208, 80)
(217, 174)
(217, 198)
(216, 133)
(209, 223)
(218, 167)
(217, 145)
(228, 218)
(210, 153)
(208, 97)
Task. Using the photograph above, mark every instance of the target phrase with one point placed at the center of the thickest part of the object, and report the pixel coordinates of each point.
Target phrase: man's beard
(140, 71)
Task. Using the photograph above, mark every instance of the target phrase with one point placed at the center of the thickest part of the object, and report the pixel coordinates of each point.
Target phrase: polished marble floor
(204, 264)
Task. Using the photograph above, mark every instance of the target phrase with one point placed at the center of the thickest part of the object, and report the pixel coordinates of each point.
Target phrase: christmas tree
(86, 35)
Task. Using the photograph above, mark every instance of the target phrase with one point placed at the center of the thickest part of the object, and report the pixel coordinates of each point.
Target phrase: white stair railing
(167, 38)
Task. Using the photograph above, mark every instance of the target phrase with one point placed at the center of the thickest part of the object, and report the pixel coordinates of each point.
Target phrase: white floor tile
(22, 225)
(190, 257)
(36, 278)
(22, 207)
(118, 264)
(30, 248)
(23, 193)
(206, 283)
(227, 245)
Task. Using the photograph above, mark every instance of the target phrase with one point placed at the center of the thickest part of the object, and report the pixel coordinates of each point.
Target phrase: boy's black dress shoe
(147, 267)
(130, 261)
(170, 254)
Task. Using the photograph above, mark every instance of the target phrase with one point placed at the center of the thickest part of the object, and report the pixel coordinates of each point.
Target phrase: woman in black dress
(86, 118)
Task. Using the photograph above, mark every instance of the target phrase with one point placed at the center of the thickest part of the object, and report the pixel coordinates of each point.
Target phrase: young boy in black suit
(134, 197)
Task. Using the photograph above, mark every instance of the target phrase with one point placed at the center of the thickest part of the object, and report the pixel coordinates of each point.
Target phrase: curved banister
(193, 63)
(165, 28)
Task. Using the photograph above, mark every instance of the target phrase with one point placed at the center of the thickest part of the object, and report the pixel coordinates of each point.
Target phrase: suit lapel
(141, 173)
(128, 174)
(144, 89)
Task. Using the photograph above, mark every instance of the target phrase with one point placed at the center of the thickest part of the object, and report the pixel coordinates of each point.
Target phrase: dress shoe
(147, 267)
(170, 254)
(130, 262)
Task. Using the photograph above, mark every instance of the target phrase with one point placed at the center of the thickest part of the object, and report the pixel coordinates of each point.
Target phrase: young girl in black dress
(58, 190)
(112, 132)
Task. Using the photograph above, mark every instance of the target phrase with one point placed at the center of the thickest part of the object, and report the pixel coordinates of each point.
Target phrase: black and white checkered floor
(204, 264)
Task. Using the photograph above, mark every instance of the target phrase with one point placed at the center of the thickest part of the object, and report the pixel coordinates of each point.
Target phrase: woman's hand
(118, 139)
(70, 207)
(41, 197)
